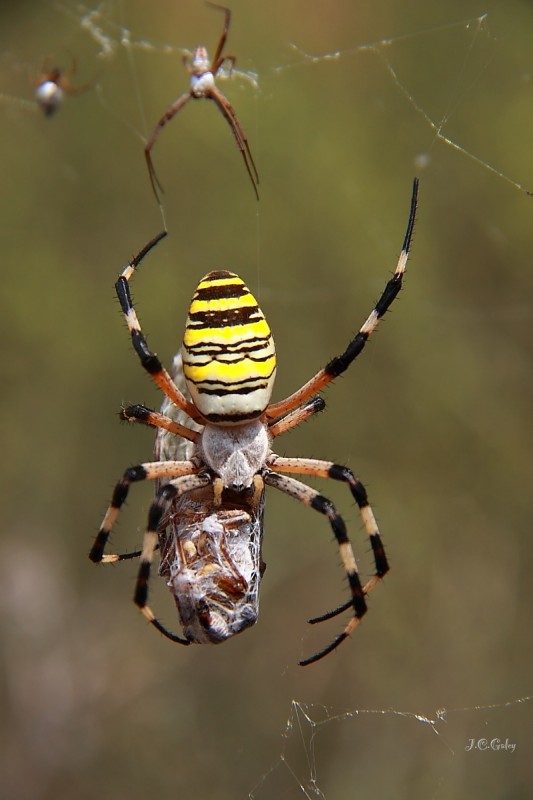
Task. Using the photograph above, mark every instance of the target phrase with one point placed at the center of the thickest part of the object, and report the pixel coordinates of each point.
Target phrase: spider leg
(140, 413)
(217, 60)
(48, 68)
(73, 66)
(167, 116)
(155, 470)
(297, 416)
(313, 499)
(170, 491)
(64, 78)
(149, 360)
(230, 116)
(68, 88)
(340, 363)
(231, 59)
(327, 469)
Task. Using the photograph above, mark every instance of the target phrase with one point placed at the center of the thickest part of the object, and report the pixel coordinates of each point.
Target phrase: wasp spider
(214, 459)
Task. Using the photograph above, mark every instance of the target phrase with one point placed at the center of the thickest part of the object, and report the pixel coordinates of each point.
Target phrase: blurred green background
(435, 418)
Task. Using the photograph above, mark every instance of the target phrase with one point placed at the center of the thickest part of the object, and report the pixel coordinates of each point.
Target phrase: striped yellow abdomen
(229, 358)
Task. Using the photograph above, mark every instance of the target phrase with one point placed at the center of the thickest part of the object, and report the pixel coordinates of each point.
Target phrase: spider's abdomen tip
(49, 97)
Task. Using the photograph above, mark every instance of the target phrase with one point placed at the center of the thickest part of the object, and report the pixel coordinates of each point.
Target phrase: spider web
(462, 734)
(324, 752)
(463, 87)
(109, 37)
(105, 25)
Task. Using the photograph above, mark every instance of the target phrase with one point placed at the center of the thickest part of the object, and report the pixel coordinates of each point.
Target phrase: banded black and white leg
(184, 478)
(310, 497)
(149, 359)
(339, 364)
(154, 419)
(156, 470)
(328, 469)
(169, 492)
(295, 417)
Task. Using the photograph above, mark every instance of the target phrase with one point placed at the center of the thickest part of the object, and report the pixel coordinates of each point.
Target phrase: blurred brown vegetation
(435, 418)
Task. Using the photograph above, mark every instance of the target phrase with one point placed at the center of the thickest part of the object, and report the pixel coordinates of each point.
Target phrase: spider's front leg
(339, 364)
(218, 58)
(148, 359)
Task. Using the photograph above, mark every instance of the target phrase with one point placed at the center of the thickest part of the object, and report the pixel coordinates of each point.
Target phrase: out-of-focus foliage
(435, 417)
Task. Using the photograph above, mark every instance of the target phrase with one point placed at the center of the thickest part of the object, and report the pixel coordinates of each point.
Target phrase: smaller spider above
(202, 74)
(52, 84)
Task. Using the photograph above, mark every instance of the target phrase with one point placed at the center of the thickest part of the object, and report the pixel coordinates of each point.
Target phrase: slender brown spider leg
(238, 132)
(217, 60)
(64, 80)
(231, 59)
(167, 116)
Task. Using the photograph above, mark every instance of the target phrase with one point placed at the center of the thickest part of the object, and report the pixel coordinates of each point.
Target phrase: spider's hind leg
(327, 469)
(310, 497)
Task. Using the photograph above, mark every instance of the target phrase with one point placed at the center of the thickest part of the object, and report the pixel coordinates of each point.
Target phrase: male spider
(51, 84)
(207, 513)
(202, 76)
